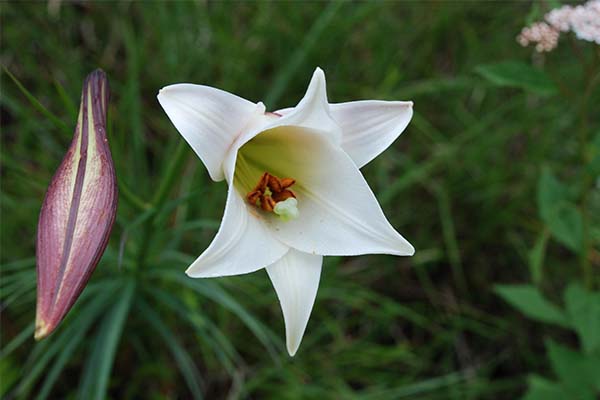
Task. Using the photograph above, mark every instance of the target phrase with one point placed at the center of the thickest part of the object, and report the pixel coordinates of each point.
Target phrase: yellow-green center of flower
(266, 169)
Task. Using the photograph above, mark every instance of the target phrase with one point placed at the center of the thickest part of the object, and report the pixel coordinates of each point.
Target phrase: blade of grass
(18, 340)
(184, 362)
(45, 351)
(296, 60)
(99, 366)
(217, 341)
(18, 264)
(36, 103)
(69, 104)
(213, 291)
(449, 234)
(63, 358)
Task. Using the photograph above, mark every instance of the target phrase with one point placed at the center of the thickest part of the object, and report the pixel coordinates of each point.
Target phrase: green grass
(460, 184)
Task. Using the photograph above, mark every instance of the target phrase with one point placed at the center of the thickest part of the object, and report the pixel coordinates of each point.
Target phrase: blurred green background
(495, 182)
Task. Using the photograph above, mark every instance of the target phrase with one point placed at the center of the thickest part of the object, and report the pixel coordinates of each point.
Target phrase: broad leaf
(543, 389)
(518, 75)
(583, 309)
(536, 256)
(529, 301)
(558, 212)
(579, 374)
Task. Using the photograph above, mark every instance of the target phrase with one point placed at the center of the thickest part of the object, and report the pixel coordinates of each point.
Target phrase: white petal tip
(406, 249)
(318, 76)
(292, 348)
(400, 104)
(162, 91)
(194, 272)
(400, 247)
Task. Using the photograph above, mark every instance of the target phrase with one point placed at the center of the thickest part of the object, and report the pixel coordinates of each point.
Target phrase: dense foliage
(495, 183)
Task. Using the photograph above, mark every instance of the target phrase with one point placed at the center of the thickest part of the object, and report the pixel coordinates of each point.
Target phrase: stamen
(267, 203)
(271, 194)
(287, 182)
(283, 195)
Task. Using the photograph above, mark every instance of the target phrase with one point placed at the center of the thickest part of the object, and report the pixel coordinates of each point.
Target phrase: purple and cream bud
(78, 211)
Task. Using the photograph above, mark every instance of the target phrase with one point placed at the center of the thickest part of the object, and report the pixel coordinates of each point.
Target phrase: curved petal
(369, 127)
(313, 110)
(338, 213)
(209, 119)
(242, 245)
(296, 280)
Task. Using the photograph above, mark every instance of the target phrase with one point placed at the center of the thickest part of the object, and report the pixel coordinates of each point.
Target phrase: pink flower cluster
(583, 20)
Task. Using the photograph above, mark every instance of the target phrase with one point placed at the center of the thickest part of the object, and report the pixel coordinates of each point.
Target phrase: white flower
(295, 190)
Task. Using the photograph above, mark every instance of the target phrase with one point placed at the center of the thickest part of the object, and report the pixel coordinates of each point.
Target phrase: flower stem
(131, 198)
(591, 81)
(171, 174)
(166, 184)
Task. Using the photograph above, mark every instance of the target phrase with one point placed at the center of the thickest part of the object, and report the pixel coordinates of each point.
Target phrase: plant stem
(585, 254)
(131, 198)
(166, 184)
(171, 173)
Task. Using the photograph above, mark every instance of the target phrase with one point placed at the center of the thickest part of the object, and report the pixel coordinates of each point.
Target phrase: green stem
(131, 198)
(171, 173)
(586, 264)
(37, 104)
(166, 184)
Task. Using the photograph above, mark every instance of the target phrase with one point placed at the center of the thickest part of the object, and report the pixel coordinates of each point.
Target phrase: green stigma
(287, 209)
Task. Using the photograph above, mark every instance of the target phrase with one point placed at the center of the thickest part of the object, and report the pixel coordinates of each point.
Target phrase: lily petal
(296, 280)
(369, 127)
(313, 110)
(242, 245)
(338, 212)
(209, 119)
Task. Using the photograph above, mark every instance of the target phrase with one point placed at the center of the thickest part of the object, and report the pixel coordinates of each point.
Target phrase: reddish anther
(283, 195)
(269, 191)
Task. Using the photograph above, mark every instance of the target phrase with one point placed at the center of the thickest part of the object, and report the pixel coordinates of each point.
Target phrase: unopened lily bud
(78, 211)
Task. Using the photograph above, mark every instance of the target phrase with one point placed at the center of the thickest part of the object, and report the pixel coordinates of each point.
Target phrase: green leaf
(216, 340)
(536, 256)
(579, 374)
(184, 361)
(99, 364)
(65, 355)
(37, 104)
(91, 304)
(213, 291)
(594, 156)
(528, 300)
(583, 309)
(298, 57)
(550, 192)
(18, 340)
(518, 75)
(10, 373)
(543, 389)
(558, 212)
(567, 227)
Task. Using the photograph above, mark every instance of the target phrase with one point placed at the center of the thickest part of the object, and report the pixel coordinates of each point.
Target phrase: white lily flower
(295, 190)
